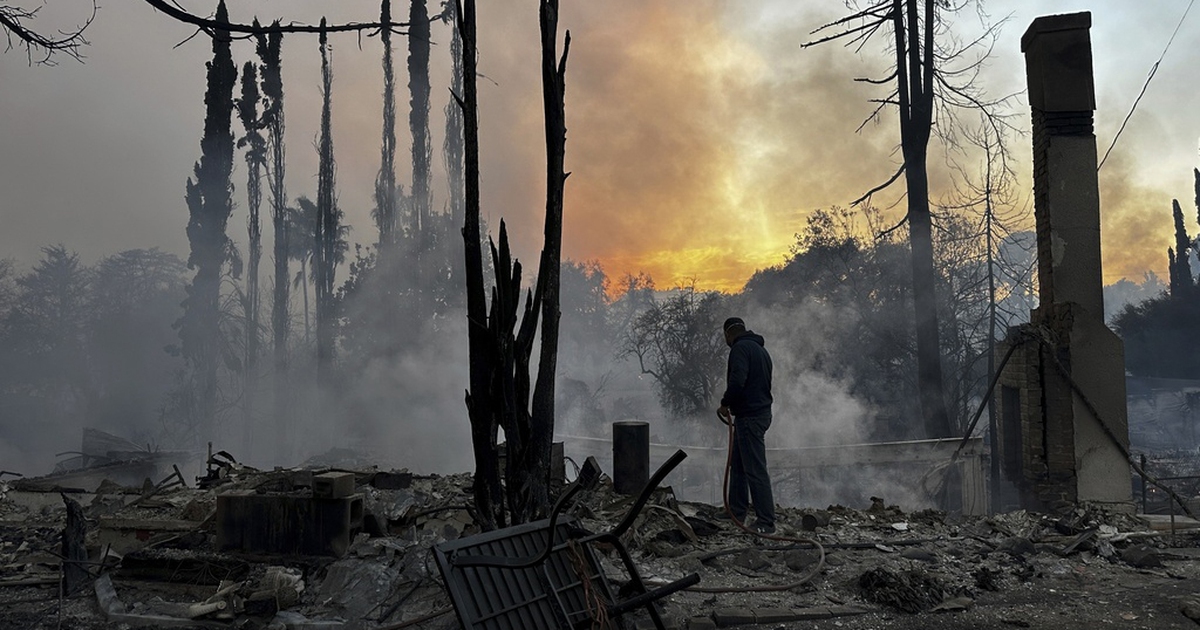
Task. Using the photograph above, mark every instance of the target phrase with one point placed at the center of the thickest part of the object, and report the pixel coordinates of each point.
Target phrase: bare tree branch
(209, 25)
(889, 182)
(12, 20)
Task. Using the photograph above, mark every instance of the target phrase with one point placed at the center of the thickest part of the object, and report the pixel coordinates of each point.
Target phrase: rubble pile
(156, 557)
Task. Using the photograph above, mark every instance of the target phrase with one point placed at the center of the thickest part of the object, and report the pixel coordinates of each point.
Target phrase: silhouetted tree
(450, 289)
(256, 160)
(1161, 336)
(488, 493)
(268, 47)
(385, 182)
(303, 225)
(420, 227)
(8, 291)
(452, 144)
(325, 249)
(922, 85)
(209, 200)
(678, 343)
(134, 297)
(45, 344)
(1180, 269)
(1160, 333)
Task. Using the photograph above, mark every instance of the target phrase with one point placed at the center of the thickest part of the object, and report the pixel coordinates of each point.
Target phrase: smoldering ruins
(427, 431)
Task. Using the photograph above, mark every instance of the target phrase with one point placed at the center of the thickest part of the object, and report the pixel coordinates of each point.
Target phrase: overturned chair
(545, 574)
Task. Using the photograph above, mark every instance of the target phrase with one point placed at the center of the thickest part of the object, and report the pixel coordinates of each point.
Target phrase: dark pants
(748, 478)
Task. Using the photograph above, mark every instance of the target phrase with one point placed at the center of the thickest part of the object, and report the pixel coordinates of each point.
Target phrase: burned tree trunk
(920, 82)
(325, 245)
(210, 202)
(452, 144)
(500, 360)
(511, 380)
(256, 155)
(74, 551)
(915, 77)
(488, 495)
(553, 84)
(385, 182)
(268, 49)
(422, 151)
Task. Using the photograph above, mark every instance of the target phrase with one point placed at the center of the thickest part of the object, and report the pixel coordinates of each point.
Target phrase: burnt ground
(885, 567)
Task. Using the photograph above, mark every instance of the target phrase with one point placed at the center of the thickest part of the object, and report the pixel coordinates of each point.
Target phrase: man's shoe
(724, 516)
(759, 528)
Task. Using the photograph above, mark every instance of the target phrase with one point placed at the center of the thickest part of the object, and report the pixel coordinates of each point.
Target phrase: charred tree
(422, 151)
(922, 85)
(489, 502)
(511, 380)
(256, 156)
(210, 202)
(325, 246)
(450, 259)
(554, 71)
(268, 49)
(385, 182)
(500, 352)
(915, 100)
(452, 144)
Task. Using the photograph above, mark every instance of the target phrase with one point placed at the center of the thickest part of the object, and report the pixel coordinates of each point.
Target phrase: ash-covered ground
(154, 561)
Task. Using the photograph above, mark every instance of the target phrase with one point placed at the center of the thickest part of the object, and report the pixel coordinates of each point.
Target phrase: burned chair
(545, 574)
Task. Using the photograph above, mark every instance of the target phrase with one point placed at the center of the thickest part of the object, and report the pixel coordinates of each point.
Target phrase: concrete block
(810, 614)
(302, 479)
(333, 485)
(287, 524)
(846, 611)
(774, 615)
(704, 623)
(733, 617)
(392, 480)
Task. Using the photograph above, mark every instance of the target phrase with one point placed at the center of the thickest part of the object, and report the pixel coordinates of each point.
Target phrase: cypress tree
(1179, 269)
(324, 250)
(209, 199)
(418, 125)
(385, 182)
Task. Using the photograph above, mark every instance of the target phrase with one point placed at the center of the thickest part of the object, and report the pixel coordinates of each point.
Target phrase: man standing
(747, 403)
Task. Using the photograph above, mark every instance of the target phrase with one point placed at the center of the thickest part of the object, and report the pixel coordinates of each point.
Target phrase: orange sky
(699, 140)
(699, 134)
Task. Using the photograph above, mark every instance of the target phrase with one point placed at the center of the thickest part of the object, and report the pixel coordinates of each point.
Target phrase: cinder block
(810, 614)
(287, 524)
(333, 485)
(733, 616)
(302, 479)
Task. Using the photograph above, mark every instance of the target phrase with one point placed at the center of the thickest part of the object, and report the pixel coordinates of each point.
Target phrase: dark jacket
(748, 392)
